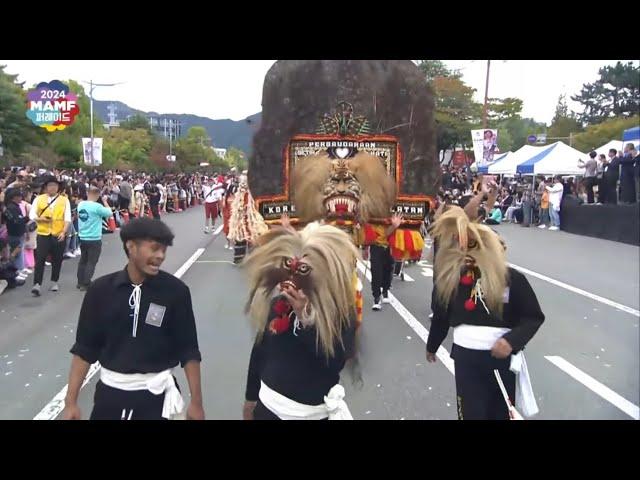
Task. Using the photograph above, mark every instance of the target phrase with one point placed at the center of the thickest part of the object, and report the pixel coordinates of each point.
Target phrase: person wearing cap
(52, 213)
(139, 324)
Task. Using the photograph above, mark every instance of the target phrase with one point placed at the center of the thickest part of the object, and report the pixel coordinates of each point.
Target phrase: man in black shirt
(494, 312)
(153, 193)
(139, 324)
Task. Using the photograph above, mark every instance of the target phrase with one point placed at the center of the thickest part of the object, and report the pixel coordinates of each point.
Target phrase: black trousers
(589, 182)
(155, 211)
(89, 255)
(381, 269)
(123, 202)
(239, 251)
(611, 195)
(110, 403)
(479, 396)
(48, 245)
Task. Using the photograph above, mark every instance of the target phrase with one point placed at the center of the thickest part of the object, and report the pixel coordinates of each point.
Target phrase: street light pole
(486, 97)
(91, 97)
(91, 87)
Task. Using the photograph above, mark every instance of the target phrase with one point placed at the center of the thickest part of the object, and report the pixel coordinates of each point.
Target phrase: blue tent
(631, 135)
(528, 166)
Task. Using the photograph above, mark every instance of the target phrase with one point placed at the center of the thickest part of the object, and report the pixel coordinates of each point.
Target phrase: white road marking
(584, 293)
(52, 409)
(595, 386)
(417, 327)
(183, 269)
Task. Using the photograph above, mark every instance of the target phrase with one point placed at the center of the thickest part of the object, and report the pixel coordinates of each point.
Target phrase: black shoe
(82, 288)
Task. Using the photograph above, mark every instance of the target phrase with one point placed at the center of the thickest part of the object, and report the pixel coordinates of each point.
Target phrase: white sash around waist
(284, 408)
(482, 338)
(156, 383)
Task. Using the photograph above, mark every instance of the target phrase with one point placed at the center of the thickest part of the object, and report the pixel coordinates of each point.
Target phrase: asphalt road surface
(584, 361)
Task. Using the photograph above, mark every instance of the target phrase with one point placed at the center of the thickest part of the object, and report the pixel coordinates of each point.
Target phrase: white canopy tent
(557, 159)
(604, 149)
(509, 164)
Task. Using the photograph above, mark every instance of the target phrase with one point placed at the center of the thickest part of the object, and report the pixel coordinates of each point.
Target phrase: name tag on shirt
(155, 315)
(505, 295)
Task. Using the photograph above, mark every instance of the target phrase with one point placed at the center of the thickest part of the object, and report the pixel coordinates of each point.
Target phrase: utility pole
(486, 97)
(91, 87)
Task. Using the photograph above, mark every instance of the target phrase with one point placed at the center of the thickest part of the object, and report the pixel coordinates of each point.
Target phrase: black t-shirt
(521, 313)
(154, 195)
(294, 367)
(16, 222)
(166, 333)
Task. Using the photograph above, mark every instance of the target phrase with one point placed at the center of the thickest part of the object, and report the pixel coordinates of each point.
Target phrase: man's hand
(285, 221)
(297, 299)
(195, 411)
(396, 220)
(501, 349)
(61, 236)
(431, 357)
(71, 412)
(247, 410)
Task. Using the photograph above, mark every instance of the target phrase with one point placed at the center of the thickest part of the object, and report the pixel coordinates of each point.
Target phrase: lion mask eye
(303, 269)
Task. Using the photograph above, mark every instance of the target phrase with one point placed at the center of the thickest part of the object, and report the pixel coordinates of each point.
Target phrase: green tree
(456, 112)
(615, 93)
(500, 109)
(236, 158)
(564, 122)
(436, 68)
(134, 122)
(124, 148)
(197, 134)
(595, 136)
(517, 130)
(18, 132)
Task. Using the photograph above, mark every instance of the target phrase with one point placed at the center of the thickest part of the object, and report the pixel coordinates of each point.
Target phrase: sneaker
(82, 288)
(542, 226)
(21, 277)
(69, 255)
(385, 298)
(20, 281)
(206, 230)
(376, 304)
(26, 271)
(554, 228)
(35, 291)
(78, 252)
(54, 287)
(48, 264)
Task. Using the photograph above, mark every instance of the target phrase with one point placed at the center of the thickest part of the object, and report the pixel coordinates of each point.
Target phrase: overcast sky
(233, 88)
